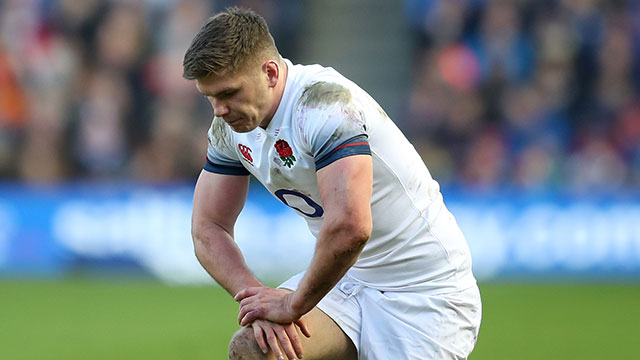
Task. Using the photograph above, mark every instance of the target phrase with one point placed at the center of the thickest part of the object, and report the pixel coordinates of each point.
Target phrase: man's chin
(242, 128)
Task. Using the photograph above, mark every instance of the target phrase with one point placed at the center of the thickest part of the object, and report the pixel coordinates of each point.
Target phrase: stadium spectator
(556, 80)
(540, 77)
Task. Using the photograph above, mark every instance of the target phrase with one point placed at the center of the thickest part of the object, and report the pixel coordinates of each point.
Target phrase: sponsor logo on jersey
(246, 152)
(285, 152)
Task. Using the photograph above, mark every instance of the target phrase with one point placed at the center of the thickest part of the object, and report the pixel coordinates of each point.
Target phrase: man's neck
(279, 93)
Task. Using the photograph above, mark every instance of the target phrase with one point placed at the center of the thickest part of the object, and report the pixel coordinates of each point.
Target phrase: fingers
(286, 342)
(247, 313)
(247, 317)
(302, 324)
(272, 339)
(287, 346)
(246, 293)
(258, 333)
(278, 338)
(244, 309)
(264, 303)
(296, 344)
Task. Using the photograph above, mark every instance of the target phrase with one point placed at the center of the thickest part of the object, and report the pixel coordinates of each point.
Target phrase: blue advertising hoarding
(55, 230)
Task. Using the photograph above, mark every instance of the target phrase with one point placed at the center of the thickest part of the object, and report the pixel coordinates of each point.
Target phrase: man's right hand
(279, 337)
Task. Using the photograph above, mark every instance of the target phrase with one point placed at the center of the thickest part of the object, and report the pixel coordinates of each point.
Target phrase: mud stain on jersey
(219, 136)
(354, 124)
(383, 113)
(275, 173)
(325, 93)
(329, 94)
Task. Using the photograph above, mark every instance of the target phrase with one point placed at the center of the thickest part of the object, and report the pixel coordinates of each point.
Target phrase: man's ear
(272, 71)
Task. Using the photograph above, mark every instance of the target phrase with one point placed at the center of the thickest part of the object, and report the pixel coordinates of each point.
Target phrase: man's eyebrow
(228, 89)
(220, 92)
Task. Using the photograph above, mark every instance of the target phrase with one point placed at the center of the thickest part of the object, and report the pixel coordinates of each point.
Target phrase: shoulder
(323, 101)
(329, 101)
(220, 135)
(324, 93)
(318, 86)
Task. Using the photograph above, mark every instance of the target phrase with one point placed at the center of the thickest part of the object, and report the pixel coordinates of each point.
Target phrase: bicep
(218, 199)
(345, 188)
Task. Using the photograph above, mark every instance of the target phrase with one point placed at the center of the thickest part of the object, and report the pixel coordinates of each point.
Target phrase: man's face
(242, 99)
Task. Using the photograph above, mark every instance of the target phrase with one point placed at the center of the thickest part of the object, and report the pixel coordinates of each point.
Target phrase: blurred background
(526, 112)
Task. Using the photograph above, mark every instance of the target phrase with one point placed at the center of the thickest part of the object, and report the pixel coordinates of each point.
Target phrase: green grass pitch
(92, 319)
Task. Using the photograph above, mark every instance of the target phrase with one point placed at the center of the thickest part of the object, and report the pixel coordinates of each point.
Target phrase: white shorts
(403, 325)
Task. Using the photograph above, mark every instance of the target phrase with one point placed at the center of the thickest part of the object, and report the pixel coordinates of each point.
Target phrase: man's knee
(243, 346)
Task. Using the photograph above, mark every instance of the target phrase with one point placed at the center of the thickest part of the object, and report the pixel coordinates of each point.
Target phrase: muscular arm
(217, 202)
(345, 187)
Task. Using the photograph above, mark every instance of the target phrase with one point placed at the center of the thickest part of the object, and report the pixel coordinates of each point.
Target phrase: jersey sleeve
(332, 126)
(221, 157)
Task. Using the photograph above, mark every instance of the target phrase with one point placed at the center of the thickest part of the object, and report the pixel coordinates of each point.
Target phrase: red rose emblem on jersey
(285, 152)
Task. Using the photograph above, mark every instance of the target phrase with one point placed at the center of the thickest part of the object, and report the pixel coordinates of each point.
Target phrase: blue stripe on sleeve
(225, 169)
(357, 145)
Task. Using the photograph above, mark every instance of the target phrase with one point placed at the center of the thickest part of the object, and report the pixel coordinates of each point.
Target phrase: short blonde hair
(226, 42)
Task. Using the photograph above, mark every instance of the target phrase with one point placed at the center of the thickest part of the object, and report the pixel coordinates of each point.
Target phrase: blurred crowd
(531, 95)
(527, 95)
(93, 89)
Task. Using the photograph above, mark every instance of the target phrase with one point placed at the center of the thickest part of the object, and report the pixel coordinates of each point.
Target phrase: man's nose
(220, 108)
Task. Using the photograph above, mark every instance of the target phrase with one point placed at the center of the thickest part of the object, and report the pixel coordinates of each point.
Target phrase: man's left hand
(268, 304)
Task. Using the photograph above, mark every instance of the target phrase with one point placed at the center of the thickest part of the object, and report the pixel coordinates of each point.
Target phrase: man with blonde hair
(390, 277)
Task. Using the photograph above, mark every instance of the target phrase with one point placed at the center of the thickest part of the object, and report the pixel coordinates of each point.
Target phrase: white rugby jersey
(415, 242)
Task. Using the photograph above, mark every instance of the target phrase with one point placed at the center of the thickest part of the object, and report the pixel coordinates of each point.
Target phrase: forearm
(218, 253)
(336, 251)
